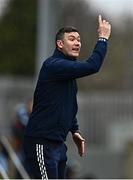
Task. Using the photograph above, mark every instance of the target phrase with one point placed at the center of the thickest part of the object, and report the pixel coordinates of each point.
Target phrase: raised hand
(104, 28)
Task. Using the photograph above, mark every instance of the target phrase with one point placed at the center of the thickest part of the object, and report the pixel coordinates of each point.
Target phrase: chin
(74, 55)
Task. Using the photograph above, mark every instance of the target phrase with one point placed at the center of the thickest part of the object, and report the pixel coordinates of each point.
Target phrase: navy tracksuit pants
(45, 159)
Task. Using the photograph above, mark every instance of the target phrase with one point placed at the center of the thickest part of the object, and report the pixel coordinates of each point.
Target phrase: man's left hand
(80, 143)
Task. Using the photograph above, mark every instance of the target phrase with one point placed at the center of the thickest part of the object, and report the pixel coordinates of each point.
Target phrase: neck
(59, 53)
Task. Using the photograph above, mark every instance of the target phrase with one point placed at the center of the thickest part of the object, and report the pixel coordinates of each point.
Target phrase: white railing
(13, 156)
(3, 172)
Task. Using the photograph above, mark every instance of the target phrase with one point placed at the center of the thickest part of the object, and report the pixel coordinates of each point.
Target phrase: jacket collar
(58, 54)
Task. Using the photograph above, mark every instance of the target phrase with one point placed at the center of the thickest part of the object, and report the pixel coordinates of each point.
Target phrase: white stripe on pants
(40, 159)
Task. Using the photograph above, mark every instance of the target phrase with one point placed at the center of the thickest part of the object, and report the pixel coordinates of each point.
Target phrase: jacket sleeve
(61, 69)
(75, 126)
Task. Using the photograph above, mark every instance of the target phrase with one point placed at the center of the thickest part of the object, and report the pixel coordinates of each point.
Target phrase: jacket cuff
(76, 131)
(102, 39)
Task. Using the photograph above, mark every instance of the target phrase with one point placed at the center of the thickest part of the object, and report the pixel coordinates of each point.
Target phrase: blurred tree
(18, 33)
(18, 28)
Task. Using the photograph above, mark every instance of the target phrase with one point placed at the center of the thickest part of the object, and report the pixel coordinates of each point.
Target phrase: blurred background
(27, 32)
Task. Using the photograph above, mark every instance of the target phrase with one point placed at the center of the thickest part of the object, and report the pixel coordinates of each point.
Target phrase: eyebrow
(74, 36)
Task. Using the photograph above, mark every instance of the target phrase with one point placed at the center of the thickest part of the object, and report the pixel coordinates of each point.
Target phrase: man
(55, 105)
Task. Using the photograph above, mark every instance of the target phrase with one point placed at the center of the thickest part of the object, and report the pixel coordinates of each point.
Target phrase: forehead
(72, 34)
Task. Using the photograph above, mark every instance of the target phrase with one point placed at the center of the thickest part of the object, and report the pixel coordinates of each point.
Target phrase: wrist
(103, 39)
(77, 131)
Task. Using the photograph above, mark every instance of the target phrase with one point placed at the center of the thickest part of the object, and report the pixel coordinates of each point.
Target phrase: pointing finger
(100, 19)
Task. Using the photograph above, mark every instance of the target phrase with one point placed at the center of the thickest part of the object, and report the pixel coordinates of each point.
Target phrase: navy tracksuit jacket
(55, 104)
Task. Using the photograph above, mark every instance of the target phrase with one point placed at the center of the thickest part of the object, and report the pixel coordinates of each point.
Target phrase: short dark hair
(67, 29)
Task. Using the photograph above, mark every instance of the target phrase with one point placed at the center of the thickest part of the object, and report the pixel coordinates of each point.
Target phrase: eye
(78, 40)
(71, 39)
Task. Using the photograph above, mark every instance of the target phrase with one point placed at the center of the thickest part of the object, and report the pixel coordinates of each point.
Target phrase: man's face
(70, 45)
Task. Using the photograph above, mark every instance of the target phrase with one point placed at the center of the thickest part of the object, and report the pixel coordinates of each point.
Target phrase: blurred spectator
(21, 117)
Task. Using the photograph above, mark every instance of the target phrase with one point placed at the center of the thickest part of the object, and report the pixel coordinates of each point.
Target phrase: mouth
(76, 50)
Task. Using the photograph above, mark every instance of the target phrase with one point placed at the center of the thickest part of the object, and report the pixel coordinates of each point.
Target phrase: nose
(77, 43)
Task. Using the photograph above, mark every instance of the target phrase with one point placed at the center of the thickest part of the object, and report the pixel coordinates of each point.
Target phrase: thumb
(79, 136)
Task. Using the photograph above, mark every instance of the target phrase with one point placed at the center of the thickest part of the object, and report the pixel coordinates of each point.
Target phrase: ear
(59, 44)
